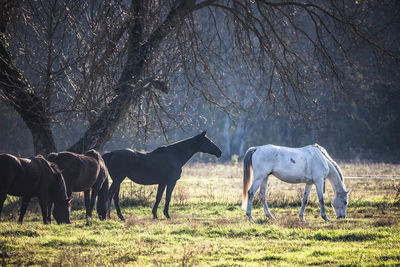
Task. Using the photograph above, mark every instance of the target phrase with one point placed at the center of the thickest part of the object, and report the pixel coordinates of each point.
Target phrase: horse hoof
(166, 214)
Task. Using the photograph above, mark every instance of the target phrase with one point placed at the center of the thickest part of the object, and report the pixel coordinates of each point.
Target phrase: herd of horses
(53, 178)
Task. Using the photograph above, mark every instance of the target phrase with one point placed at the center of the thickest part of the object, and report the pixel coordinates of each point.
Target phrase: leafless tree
(104, 60)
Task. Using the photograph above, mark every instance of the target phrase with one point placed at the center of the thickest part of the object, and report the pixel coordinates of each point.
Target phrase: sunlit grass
(208, 228)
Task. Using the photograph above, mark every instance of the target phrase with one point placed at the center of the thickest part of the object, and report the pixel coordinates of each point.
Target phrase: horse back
(9, 165)
(162, 165)
(11, 174)
(80, 172)
(68, 163)
(288, 164)
(30, 174)
(142, 168)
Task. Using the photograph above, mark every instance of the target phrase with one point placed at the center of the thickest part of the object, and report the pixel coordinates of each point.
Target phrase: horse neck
(336, 180)
(59, 189)
(185, 150)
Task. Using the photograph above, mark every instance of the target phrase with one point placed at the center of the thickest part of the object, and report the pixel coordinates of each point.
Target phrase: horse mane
(178, 142)
(325, 153)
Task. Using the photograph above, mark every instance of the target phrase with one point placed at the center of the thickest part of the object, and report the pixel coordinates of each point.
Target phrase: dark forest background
(218, 68)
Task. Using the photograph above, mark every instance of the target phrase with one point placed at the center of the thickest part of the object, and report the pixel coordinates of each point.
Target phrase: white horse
(310, 165)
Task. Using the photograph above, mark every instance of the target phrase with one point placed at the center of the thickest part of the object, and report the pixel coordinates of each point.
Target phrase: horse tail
(106, 158)
(328, 157)
(247, 174)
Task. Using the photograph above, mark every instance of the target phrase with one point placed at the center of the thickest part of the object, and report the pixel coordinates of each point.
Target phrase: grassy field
(208, 228)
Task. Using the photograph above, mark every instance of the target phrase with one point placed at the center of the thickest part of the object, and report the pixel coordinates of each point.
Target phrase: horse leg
(160, 191)
(170, 187)
(86, 195)
(320, 192)
(112, 191)
(116, 204)
(3, 197)
(307, 191)
(95, 192)
(48, 210)
(253, 189)
(24, 206)
(44, 204)
(263, 191)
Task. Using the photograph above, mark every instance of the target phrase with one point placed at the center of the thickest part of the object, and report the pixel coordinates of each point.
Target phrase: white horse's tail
(247, 175)
(325, 153)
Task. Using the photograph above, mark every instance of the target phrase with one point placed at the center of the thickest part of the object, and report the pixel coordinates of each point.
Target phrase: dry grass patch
(209, 228)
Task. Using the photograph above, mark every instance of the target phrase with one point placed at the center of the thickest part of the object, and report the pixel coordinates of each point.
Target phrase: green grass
(208, 228)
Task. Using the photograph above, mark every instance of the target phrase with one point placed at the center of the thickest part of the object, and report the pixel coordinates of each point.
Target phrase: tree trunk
(226, 138)
(131, 86)
(234, 144)
(28, 105)
(239, 138)
(127, 91)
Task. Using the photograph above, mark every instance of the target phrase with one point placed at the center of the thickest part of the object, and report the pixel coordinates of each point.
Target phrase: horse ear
(204, 133)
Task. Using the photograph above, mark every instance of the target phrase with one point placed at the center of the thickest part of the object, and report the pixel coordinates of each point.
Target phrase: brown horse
(86, 173)
(34, 177)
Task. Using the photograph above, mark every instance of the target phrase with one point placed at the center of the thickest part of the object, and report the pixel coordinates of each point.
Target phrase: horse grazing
(163, 166)
(310, 165)
(86, 173)
(34, 177)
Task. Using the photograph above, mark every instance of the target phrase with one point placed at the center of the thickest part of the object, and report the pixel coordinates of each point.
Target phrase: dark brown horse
(86, 173)
(163, 166)
(34, 177)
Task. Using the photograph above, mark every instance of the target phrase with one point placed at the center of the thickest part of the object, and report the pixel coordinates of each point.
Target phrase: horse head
(62, 203)
(207, 146)
(339, 204)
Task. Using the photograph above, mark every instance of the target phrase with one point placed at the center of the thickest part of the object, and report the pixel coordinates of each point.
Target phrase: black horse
(86, 173)
(34, 177)
(163, 166)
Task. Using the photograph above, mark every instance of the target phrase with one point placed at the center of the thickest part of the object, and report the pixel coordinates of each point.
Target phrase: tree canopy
(105, 62)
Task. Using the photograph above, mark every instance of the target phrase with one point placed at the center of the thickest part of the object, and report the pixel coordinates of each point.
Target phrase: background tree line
(77, 75)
